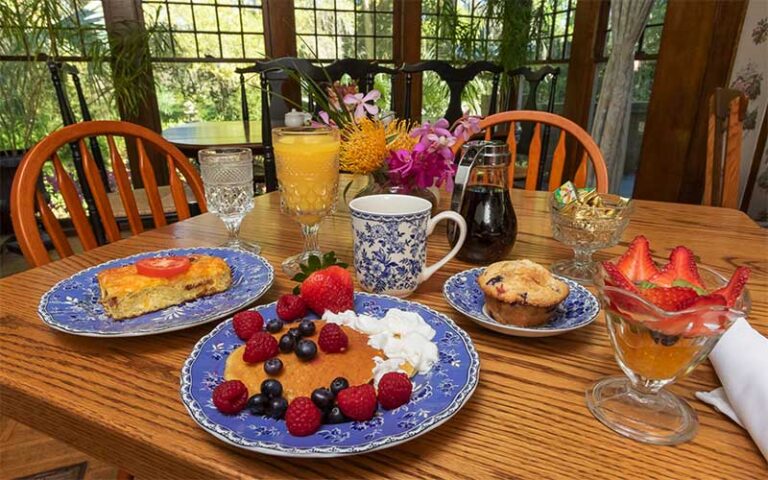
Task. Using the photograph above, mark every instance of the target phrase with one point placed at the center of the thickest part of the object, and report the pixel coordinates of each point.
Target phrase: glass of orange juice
(307, 161)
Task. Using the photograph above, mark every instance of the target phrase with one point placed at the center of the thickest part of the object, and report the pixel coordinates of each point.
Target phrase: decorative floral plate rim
(247, 287)
(422, 422)
(470, 301)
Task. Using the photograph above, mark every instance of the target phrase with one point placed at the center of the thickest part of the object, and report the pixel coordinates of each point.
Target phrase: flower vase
(380, 184)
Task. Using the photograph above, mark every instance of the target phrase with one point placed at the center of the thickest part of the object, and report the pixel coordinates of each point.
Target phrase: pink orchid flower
(325, 120)
(360, 102)
(467, 126)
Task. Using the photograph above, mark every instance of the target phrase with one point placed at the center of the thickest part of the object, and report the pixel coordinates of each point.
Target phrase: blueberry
(295, 333)
(338, 384)
(274, 325)
(257, 404)
(335, 416)
(322, 398)
(306, 350)
(665, 340)
(287, 343)
(273, 366)
(276, 408)
(271, 388)
(307, 328)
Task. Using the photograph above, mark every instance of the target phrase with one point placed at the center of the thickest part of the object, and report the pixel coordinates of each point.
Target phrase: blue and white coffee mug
(390, 242)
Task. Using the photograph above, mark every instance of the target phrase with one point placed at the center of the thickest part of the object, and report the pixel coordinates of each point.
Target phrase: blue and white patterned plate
(578, 310)
(72, 305)
(437, 396)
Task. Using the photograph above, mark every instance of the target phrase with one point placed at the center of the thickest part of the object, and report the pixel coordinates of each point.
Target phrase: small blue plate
(437, 395)
(578, 310)
(73, 306)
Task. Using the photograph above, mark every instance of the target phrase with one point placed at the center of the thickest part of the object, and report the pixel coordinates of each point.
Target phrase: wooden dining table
(117, 399)
(192, 137)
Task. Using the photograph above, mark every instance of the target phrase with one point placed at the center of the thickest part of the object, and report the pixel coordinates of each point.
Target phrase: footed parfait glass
(654, 348)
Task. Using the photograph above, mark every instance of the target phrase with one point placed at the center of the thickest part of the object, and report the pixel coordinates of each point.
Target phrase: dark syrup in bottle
(491, 224)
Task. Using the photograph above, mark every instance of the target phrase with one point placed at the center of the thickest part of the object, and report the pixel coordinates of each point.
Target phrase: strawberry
(732, 291)
(617, 279)
(703, 321)
(681, 266)
(636, 264)
(670, 299)
(328, 289)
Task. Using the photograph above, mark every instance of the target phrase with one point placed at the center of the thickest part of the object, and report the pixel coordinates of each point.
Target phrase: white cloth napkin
(740, 359)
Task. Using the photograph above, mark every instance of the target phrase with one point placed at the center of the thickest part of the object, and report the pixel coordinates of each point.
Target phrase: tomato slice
(162, 267)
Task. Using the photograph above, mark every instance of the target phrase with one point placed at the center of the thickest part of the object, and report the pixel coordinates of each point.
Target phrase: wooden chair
(522, 94)
(26, 198)
(591, 152)
(59, 72)
(457, 79)
(727, 109)
(361, 71)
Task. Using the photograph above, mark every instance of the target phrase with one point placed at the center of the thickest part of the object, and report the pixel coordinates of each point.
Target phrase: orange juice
(308, 173)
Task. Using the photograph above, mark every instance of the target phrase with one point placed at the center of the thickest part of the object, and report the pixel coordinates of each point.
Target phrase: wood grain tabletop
(117, 398)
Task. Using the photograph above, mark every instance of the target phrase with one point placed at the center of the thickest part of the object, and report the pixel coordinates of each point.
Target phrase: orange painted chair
(27, 199)
(591, 152)
(727, 109)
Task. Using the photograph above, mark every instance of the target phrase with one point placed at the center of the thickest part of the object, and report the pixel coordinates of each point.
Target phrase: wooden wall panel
(407, 49)
(697, 48)
(120, 15)
(581, 72)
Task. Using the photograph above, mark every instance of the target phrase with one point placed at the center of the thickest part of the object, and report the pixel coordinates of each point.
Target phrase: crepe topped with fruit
(338, 368)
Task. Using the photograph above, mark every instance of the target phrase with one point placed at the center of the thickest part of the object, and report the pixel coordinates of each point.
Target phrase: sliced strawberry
(702, 321)
(670, 299)
(735, 285)
(617, 279)
(681, 266)
(636, 264)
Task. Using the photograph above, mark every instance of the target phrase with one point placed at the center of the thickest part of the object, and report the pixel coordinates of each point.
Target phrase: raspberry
(231, 396)
(358, 403)
(394, 390)
(332, 339)
(302, 417)
(291, 307)
(247, 323)
(260, 347)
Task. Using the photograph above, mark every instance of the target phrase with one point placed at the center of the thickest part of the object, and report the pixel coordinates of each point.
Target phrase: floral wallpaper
(749, 73)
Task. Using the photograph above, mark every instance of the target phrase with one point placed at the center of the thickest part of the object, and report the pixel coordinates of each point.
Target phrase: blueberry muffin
(521, 292)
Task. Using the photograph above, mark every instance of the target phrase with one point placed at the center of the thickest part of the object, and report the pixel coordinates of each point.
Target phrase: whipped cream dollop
(402, 336)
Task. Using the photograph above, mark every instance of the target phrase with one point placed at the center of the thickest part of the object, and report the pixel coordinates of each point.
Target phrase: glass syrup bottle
(481, 196)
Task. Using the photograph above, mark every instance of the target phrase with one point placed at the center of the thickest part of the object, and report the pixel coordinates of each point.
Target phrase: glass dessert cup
(307, 162)
(585, 235)
(654, 348)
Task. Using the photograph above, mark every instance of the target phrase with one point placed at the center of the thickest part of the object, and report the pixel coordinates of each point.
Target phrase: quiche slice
(154, 284)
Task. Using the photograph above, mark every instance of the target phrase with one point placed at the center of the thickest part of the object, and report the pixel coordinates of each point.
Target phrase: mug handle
(446, 215)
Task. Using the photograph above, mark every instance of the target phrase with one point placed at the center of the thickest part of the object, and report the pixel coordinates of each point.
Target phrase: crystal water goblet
(228, 180)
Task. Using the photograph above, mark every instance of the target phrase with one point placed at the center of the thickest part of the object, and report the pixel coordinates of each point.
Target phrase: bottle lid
(488, 152)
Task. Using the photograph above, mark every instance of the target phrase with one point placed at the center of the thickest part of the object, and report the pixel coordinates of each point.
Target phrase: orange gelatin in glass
(653, 355)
